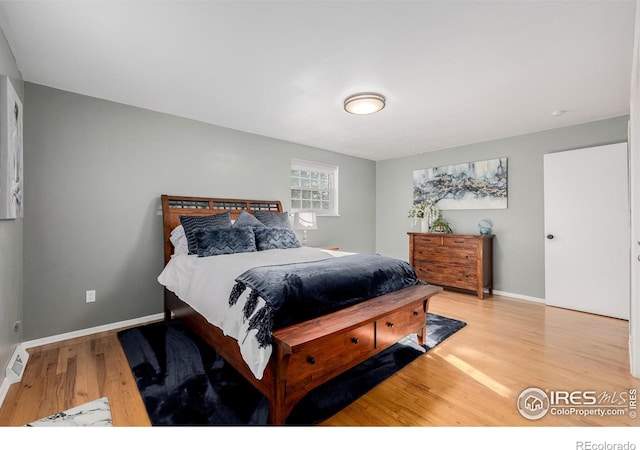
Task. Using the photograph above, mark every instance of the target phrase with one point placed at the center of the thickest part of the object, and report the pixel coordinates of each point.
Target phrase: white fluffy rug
(92, 414)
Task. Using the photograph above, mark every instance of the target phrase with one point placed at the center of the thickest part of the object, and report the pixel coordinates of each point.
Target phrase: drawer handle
(415, 313)
(390, 324)
(457, 241)
(311, 360)
(355, 340)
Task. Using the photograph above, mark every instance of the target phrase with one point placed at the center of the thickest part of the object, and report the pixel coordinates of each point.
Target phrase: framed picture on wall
(471, 185)
(11, 172)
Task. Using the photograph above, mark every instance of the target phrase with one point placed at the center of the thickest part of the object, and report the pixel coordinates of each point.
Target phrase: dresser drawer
(320, 360)
(448, 275)
(459, 241)
(428, 240)
(392, 328)
(465, 256)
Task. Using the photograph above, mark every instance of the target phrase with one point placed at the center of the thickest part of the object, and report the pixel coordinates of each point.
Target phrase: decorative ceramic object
(424, 225)
(485, 227)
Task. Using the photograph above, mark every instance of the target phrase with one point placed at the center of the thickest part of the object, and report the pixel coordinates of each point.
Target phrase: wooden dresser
(463, 261)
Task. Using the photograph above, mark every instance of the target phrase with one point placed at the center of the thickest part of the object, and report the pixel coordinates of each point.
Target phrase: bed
(301, 355)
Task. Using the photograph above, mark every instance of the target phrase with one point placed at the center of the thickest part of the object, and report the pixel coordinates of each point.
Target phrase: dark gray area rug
(183, 381)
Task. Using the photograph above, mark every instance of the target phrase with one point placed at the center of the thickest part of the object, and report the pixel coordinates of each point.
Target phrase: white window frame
(328, 170)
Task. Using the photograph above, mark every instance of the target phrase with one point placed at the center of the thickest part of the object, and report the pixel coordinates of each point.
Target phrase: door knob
(549, 236)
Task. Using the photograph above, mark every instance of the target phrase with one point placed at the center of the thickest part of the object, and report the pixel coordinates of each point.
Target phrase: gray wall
(10, 244)
(519, 229)
(94, 174)
(94, 171)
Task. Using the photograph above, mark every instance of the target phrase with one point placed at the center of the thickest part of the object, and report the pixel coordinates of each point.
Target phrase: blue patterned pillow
(275, 237)
(273, 219)
(224, 241)
(191, 223)
(247, 220)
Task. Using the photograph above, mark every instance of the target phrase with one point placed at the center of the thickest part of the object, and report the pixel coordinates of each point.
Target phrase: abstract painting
(11, 172)
(472, 185)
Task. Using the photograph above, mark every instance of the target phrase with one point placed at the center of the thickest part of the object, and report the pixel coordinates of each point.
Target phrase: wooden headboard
(174, 206)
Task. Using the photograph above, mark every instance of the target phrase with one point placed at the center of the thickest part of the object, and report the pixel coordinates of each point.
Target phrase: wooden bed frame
(310, 353)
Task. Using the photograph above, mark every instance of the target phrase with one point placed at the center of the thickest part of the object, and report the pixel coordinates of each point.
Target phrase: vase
(424, 225)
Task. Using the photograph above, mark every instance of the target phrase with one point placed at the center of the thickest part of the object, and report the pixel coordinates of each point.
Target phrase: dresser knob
(354, 340)
(311, 360)
(390, 324)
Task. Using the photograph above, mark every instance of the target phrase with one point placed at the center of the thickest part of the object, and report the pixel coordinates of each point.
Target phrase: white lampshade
(366, 103)
(305, 221)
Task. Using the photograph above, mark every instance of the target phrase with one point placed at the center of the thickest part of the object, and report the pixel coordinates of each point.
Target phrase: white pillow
(179, 241)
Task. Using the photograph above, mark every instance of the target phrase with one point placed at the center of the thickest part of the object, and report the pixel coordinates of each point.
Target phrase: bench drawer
(321, 360)
(395, 326)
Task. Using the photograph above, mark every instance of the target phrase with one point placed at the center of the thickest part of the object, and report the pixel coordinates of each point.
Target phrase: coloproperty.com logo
(535, 403)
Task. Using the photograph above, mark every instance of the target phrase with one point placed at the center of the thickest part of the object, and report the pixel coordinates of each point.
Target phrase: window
(314, 188)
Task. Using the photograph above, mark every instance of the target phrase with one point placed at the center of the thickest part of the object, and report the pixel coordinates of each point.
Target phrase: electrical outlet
(90, 296)
(16, 326)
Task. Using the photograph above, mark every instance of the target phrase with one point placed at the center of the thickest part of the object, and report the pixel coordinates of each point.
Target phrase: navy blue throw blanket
(297, 292)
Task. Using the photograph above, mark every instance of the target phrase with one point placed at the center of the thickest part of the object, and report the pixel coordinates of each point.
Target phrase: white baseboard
(4, 388)
(11, 377)
(520, 297)
(88, 331)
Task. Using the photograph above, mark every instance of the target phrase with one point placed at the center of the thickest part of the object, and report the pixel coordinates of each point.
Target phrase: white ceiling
(453, 72)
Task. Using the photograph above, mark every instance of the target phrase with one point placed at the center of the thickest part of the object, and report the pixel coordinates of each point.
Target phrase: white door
(587, 230)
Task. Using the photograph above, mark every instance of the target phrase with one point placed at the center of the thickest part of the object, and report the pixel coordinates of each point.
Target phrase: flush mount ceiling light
(365, 103)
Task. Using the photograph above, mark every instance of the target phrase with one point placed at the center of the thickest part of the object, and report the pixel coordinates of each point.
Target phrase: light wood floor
(472, 379)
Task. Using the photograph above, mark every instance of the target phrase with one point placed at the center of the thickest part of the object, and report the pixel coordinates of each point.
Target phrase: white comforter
(205, 285)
